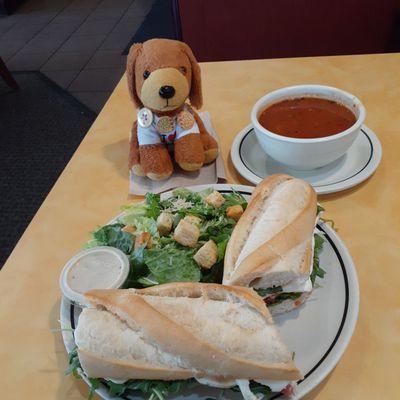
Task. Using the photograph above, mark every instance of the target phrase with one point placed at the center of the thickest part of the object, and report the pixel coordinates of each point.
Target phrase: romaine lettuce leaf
(149, 208)
(112, 235)
(205, 192)
(153, 205)
(144, 224)
(138, 268)
(138, 209)
(221, 247)
(182, 193)
(233, 199)
(170, 264)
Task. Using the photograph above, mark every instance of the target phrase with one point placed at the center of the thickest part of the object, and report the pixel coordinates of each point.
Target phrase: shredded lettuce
(152, 389)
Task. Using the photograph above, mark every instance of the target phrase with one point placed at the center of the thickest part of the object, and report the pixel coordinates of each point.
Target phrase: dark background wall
(248, 29)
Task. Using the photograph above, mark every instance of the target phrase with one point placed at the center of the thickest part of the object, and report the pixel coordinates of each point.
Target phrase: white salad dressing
(244, 386)
(97, 268)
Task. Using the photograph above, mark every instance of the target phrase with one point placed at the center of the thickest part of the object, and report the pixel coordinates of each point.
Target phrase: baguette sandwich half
(271, 247)
(222, 336)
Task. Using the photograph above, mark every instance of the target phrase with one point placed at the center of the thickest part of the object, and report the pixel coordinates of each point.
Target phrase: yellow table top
(95, 184)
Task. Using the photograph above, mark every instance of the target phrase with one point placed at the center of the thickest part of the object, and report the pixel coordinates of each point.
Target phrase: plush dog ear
(134, 52)
(195, 95)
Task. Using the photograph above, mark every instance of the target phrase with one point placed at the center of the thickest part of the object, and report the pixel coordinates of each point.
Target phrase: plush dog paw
(189, 152)
(155, 161)
(137, 170)
(158, 177)
(210, 147)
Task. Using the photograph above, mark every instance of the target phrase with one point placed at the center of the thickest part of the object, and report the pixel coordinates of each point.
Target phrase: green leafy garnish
(73, 364)
(161, 389)
(94, 385)
(116, 389)
(317, 270)
(266, 292)
(286, 296)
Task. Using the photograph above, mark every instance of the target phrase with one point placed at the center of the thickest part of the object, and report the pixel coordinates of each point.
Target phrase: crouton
(207, 255)
(234, 212)
(144, 239)
(186, 234)
(164, 223)
(215, 199)
(129, 229)
(192, 219)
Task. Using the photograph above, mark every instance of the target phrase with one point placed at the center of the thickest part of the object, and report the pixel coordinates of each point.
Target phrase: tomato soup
(307, 118)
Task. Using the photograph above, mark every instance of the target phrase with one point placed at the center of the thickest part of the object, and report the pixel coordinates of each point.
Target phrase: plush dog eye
(146, 74)
(183, 70)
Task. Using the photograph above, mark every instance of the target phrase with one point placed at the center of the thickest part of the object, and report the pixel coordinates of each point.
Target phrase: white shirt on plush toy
(154, 130)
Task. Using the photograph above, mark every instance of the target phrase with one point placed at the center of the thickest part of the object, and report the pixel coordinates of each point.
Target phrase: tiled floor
(75, 43)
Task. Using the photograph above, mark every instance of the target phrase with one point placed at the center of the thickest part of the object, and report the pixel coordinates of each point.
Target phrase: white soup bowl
(301, 153)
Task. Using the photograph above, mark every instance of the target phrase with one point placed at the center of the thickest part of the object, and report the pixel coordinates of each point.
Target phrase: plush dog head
(162, 73)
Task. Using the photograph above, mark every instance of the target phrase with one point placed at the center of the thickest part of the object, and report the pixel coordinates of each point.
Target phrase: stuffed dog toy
(162, 74)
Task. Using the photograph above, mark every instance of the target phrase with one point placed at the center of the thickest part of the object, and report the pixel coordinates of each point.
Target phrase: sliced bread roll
(180, 331)
(272, 243)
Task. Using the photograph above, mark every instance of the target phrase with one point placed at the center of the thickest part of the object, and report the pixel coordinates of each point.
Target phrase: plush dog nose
(166, 92)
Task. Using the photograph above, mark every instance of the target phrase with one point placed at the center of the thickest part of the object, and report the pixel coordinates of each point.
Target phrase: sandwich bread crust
(288, 206)
(179, 331)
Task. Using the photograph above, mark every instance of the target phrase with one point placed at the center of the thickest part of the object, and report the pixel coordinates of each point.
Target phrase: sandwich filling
(297, 288)
(292, 277)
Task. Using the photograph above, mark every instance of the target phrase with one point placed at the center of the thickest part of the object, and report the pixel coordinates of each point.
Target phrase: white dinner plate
(357, 165)
(318, 331)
